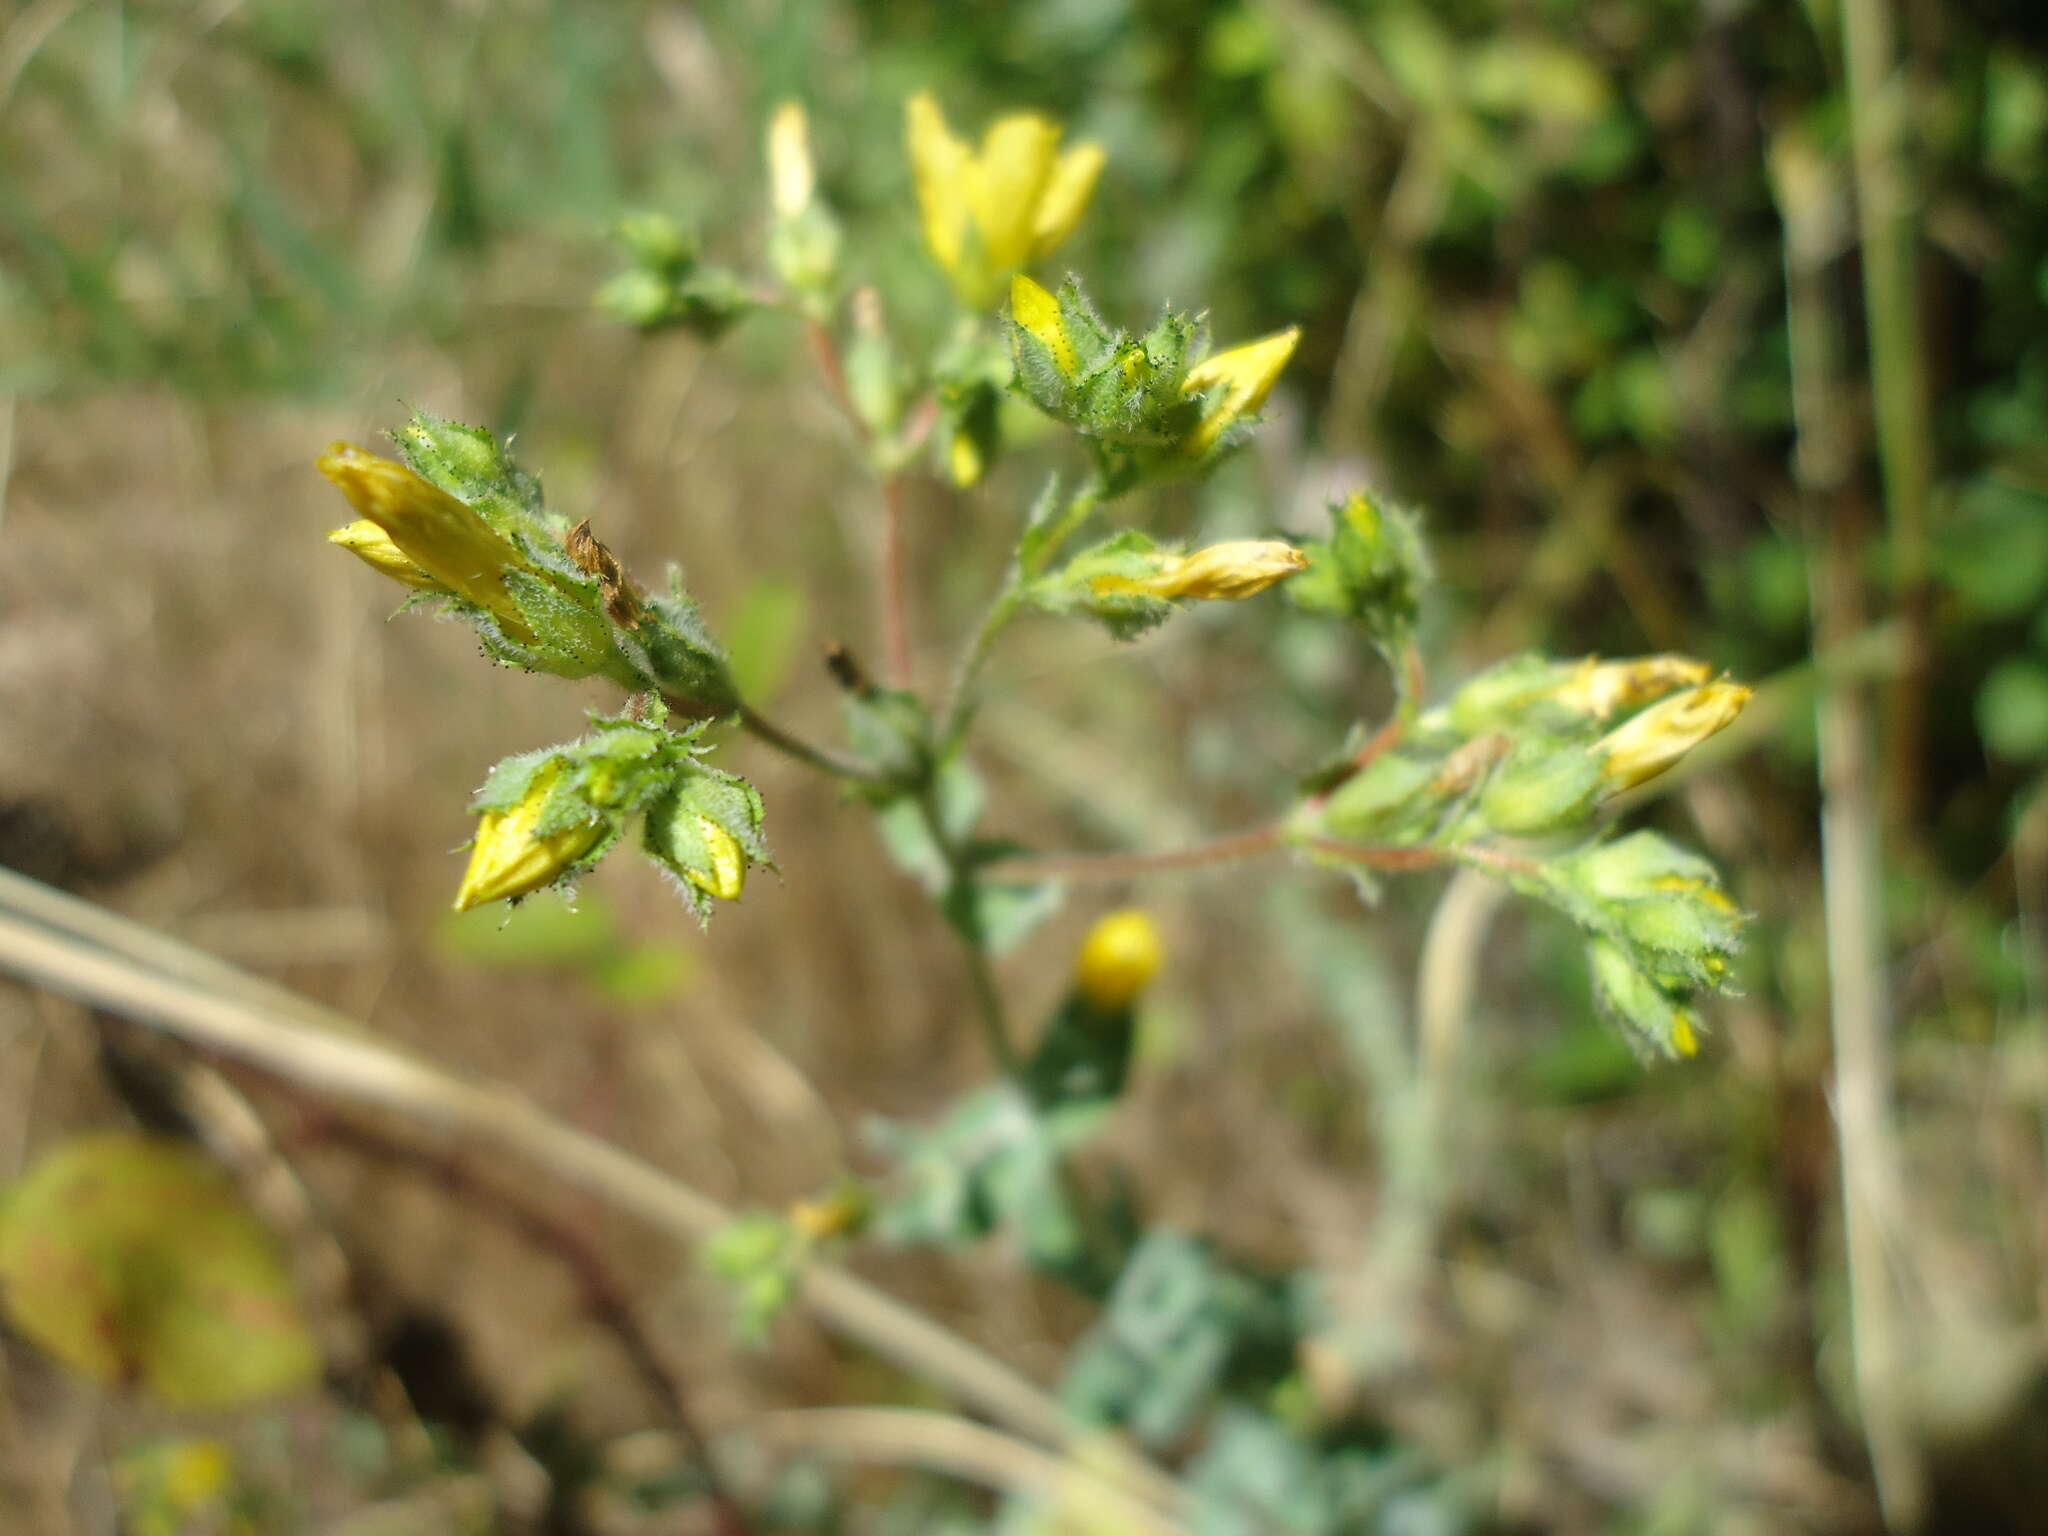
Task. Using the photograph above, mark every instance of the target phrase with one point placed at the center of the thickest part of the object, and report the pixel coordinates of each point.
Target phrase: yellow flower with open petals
(1239, 568)
(990, 213)
(1245, 376)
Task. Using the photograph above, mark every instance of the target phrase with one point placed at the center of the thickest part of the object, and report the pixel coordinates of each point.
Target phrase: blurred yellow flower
(1232, 570)
(1246, 376)
(989, 214)
(448, 541)
(1642, 747)
(791, 179)
(509, 859)
(1118, 959)
(1601, 688)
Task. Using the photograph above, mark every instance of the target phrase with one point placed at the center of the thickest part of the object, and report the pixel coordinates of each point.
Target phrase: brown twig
(325, 1052)
(604, 1296)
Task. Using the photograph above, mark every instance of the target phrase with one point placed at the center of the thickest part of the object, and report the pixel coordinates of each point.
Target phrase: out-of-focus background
(1588, 281)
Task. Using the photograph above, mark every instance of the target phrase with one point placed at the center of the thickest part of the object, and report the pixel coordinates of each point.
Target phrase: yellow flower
(1037, 313)
(372, 545)
(989, 214)
(509, 859)
(1246, 375)
(1237, 569)
(728, 872)
(447, 540)
(1601, 688)
(791, 178)
(1118, 959)
(1644, 746)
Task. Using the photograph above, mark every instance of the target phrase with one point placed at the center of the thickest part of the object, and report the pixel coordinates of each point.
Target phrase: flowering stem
(960, 911)
(895, 592)
(838, 767)
(960, 693)
(1131, 866)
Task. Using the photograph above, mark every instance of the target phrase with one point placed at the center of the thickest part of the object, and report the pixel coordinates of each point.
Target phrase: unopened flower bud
(791, 178)
(1642, 747)
(446, 539)
(725, 875)
(372, 545)
(1118, 959)
(1245, 376)
(511, 857)
(1604, 688)
(1036, 312)
(1240, 568)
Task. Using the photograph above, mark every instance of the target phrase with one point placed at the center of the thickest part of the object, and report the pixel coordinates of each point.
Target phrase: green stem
(960, 693)
(960, 880)
(766, 731)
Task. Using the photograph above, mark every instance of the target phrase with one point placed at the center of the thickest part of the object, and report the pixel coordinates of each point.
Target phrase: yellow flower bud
(508, 859)
(446, 539)
(1118, 959)
(1644, 746)
(988, 213)
(1602, 688)
(372, 545)
(728, 872)
(791, 178)
(1037, 313)
(840, 1213)
(1237, 569)
(1246, 375)
(1684, 1039)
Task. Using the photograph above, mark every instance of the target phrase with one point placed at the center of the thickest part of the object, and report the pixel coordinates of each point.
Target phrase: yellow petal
(1066, 197)
(1037, 312)
(445, 538)
(1229, 571)
(941, 165)
(509, 860)
(1118, 959)
(1683, 1038)
(1644, 746)
(727, 875)
(1017, 155)
(372, 545)
(1602, 688)
(791, 178)
(1245, 375)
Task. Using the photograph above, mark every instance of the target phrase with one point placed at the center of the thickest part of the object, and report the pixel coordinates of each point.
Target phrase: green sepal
(673, 833)
(804, 251)
(760, 1256)
(1373, 569)
(1122, 390)
(1546, 784)
(1131, 554)
(472, 466)
(669, 645)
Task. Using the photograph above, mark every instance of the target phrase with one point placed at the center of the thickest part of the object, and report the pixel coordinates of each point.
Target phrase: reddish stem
(1130, 866)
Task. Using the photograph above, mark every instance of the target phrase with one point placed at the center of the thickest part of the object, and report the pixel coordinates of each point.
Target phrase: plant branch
(604, 1297)
(895, 591)
(765, 730)
(1132, 866)
(325, 1052)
